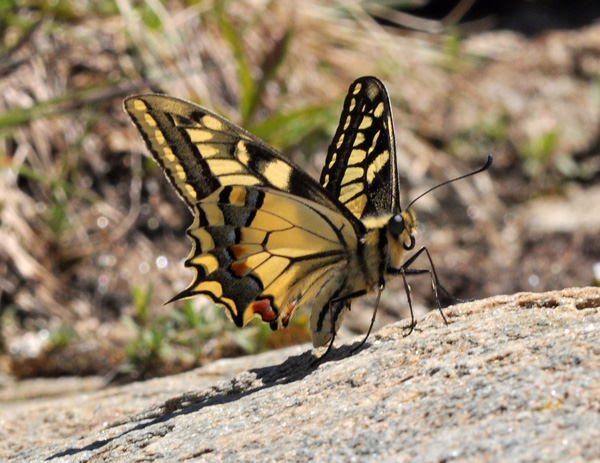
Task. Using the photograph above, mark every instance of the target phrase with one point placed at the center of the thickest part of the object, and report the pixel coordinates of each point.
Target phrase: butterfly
(267, 238)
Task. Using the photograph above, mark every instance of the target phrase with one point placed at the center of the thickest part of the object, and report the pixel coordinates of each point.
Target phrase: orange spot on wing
(288, 313)
(264, 309)
(240, 268)
(238, 250)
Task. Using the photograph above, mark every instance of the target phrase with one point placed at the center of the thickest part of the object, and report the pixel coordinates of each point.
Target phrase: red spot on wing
(264, 309)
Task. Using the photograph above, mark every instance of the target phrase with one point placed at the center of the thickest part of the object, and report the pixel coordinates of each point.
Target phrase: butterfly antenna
(486, 166)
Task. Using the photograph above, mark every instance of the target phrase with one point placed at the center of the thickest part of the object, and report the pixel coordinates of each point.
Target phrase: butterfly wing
(264, 252)
(200, 152)
(267, 238)
(360, 169)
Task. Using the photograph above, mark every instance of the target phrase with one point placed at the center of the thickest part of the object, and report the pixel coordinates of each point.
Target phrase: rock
(511, 377)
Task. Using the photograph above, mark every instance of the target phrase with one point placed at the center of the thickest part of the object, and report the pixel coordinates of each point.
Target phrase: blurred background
(92, 238)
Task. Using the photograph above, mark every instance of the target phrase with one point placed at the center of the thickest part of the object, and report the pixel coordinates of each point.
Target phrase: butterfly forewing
(360, 169)
(200, 151)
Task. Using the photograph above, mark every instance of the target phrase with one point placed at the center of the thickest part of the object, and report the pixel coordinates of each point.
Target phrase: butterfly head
(400, 229)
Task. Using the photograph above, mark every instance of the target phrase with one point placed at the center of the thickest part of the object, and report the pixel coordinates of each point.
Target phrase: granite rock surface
(511, 378)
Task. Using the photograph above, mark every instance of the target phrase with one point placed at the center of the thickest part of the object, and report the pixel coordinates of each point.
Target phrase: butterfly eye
(396, 225)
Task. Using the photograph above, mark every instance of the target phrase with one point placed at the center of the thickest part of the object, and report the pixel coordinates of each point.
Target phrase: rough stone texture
(511, 378)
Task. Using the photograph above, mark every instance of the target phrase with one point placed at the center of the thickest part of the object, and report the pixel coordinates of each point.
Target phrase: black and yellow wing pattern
(360, 169)
(267, 238)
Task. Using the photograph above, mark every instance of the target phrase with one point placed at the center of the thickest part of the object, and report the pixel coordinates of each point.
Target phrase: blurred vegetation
(91, 235)
(73, 223)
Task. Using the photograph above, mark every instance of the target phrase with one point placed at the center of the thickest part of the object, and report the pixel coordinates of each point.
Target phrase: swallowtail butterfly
(267, 238)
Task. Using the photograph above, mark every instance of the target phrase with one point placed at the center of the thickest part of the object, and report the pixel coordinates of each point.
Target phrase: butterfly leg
(442, 289)
(379, 291)
(435, 284)
(413, 322)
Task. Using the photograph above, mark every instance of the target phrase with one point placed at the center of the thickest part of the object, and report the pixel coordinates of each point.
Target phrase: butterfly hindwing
(360, 169)
(264, 252)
